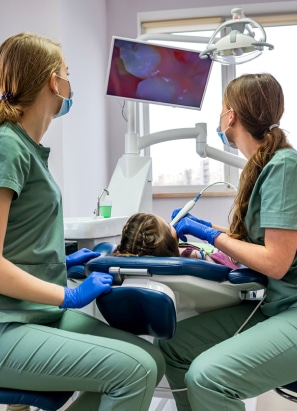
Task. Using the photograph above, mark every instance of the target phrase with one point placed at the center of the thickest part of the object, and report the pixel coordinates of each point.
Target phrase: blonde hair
(143, 234)
(26, 64)
(258, 102)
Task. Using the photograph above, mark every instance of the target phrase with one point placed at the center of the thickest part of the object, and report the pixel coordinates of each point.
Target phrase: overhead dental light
(239, 45)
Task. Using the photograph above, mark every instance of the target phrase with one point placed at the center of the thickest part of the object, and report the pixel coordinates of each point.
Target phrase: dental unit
(132, 176)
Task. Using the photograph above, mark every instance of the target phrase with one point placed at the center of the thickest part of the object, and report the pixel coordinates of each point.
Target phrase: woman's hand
(80, 257)
(188, 226)
(177, 210)
(95, 285)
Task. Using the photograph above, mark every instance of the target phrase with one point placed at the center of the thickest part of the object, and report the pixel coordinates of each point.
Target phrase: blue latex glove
(177, 210)
(95, 285)
(80, 257)
(188, 226)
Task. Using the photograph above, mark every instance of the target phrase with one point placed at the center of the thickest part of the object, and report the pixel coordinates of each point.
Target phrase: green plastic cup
(105, 209)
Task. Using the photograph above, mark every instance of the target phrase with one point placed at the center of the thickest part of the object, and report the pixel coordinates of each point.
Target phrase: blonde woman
(46, 343)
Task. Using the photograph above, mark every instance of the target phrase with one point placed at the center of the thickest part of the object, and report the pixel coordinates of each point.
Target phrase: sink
(89, 231)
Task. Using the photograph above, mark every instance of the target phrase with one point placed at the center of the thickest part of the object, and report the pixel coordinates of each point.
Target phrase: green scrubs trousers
(220, 369)
(115, 370)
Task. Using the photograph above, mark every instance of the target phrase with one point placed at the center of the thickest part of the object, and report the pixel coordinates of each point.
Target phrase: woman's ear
(232, 117)
(53, 83)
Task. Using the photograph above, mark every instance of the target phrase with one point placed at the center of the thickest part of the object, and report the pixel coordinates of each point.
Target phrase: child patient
(147, 234)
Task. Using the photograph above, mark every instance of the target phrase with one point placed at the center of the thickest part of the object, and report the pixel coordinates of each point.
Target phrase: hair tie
(273, 126)
(7, 96)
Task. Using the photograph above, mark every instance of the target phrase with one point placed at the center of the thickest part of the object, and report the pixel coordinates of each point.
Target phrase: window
(279, 63)
(177, 167)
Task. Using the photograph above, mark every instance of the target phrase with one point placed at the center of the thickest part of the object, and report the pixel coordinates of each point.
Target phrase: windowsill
(217, 189)
(228, 193)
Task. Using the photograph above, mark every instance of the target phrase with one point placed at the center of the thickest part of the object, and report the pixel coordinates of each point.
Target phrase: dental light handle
(186, 208)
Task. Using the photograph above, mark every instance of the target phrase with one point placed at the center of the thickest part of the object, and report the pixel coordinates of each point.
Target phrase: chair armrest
(246, 275)
(161, 266)
(77, 272)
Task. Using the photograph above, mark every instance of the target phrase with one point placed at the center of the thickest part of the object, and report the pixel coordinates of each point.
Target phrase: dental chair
(197, 286)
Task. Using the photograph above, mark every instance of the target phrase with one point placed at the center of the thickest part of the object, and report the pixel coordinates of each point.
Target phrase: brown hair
(26, 64)
(143, 234)
(258, 102)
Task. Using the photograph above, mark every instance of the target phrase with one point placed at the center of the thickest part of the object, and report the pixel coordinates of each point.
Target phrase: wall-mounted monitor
(154, 73)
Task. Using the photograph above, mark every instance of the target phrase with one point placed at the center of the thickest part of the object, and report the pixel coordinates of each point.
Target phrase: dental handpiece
(186, 208)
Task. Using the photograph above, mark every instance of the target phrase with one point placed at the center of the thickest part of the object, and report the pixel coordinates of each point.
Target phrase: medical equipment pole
(131, 137)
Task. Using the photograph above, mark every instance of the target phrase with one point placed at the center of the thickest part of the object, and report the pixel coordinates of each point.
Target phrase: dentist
(46, 344)
(219, 365)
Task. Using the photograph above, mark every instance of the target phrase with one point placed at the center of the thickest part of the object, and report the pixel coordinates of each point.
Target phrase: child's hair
(144, 234)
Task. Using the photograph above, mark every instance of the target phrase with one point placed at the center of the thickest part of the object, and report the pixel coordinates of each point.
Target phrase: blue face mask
(223, 137)
(65, 107)
(66, 103)
(222, 134)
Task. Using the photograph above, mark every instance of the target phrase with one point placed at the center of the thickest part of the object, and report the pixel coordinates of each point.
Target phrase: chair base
(282, 391)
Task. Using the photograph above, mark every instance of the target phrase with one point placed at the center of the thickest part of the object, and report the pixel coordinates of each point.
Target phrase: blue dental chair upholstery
(197, 285)
(143, 309)
(77, 272)
(175, 266)
(140, 309)
(45, 400)
(126, 307)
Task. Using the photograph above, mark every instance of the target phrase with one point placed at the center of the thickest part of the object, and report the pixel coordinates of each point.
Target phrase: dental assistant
(46, 343)
(218, 365)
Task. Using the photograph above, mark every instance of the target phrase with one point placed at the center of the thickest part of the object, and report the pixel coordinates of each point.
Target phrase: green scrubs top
(273, 204)
(34, 238)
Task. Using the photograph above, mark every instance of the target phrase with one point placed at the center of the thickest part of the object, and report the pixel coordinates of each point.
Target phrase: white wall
(16, 17)
(84, 130)
(78, 141)
(87, 143)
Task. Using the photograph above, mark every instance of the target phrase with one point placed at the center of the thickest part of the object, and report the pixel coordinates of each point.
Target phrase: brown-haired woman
(217, 367)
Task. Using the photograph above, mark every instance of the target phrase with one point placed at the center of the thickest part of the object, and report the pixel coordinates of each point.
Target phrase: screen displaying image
(159, 74)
